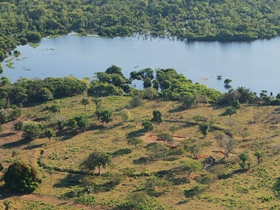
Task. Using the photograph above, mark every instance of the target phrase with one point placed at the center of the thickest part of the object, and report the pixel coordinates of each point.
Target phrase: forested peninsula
(208, 20)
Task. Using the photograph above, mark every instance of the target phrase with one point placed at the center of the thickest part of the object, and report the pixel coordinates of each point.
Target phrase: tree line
(229, 20)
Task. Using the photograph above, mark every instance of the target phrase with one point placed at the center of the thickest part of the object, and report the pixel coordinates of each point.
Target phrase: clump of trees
(21, 177)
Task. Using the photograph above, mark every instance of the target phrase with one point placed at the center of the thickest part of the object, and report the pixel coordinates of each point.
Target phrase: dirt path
(49, 199)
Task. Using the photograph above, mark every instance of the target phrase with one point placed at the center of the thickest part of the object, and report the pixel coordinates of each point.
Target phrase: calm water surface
(255, 65)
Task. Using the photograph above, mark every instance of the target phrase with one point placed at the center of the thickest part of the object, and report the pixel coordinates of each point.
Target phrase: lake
(255, 65)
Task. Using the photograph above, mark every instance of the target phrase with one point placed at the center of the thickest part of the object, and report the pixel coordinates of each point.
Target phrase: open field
(134, 169)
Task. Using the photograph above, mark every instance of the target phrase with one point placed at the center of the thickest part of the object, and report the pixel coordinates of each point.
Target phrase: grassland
(226, 186)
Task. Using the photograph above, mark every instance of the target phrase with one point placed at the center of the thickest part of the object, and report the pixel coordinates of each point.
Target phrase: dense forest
(29, 20)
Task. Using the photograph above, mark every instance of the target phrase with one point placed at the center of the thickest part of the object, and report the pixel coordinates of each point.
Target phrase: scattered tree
(148, 126)
(97, 101)
(49, 133)
(226, 82)
(157, 117)
(85, 102)
(204, 128)
(230, 111)
(21, 177)
(244, 157)
(97, 159)
(106, 116)
(191, 166)
(31, 131)
(258, 155)
(134, 141)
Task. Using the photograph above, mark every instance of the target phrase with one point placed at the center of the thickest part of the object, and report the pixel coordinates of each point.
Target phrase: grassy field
(220, 186)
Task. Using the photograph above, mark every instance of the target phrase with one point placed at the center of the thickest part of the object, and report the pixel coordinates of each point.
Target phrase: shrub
(193, 191)
(32, 131)
(21, 177)
(18, 125)
(85, 200)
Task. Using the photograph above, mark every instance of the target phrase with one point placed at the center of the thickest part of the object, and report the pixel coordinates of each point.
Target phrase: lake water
(255, 65)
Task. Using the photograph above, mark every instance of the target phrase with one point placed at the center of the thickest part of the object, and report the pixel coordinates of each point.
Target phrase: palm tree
(85, 102)
(258, 155)
(49, 133)
(96, 100)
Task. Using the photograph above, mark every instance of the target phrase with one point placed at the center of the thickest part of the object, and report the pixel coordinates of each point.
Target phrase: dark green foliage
(156, 117)
(18, 125)
(121, 152)
(96, 159)
(81, 121)
(54, 108)
(204, 128)
(86, 200)
(72, 123)
(134, 141)
(49, 133)
(21, 177)
(139, 201)
(14, 113)
(227, 81)
(60, 124)
(244, 157)
(276, 186)
(1, 167)
(165, 137)
(195, 190)
(188, 100)
(230, 111)
(157, 150)
(137, 100)
(104, 115)
(206, 179)
(236, 104)
(147, 125)
(31, 131)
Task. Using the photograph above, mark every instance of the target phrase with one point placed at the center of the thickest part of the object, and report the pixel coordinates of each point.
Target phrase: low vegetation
(124, 150)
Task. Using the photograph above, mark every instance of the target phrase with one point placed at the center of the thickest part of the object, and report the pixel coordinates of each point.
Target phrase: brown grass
(240, 190)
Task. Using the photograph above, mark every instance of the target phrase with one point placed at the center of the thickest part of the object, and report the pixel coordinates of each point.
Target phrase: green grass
(10, 65)
(34, 45)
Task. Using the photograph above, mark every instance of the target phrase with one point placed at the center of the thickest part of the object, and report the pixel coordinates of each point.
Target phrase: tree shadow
(140, 161)
(69, 181)
(184, 201)
(136, 133)
(34, 146)
(2, 135)
(64, 135)
(238, 171)
(15, 144)
(121, 152)
(178, 109)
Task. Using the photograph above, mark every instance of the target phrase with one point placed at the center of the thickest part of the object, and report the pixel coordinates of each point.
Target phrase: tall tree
(85, 102)
(157, 117)
(97, 159)
(258, 155)
(49, 133)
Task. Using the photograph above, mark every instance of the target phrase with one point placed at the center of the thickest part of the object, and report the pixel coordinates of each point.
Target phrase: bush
(21, 177)
(32, 131)
(193, 191)
(86, 200)
(206, 179)
(18, 125)
(140, 201)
